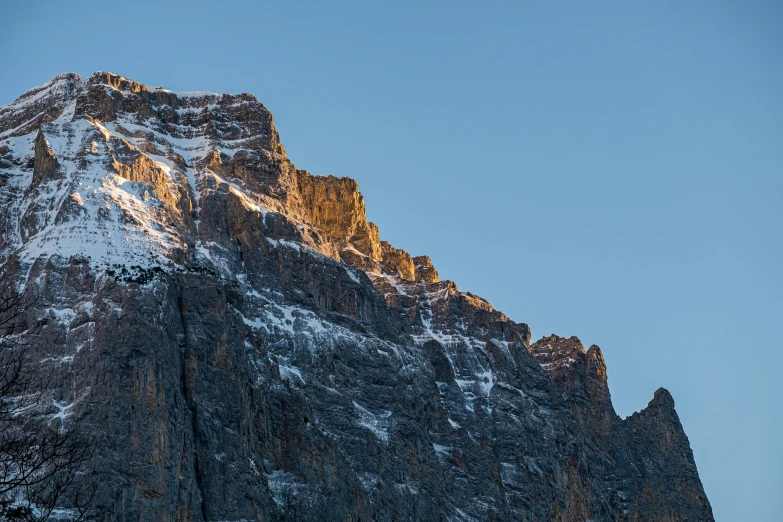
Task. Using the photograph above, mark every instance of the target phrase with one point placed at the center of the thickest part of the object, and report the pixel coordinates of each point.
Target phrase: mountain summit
(246, 347)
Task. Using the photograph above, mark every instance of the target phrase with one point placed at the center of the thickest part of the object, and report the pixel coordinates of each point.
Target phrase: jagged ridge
(276, 358)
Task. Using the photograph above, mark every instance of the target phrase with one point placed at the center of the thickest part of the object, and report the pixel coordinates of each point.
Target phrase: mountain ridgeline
(245, 347)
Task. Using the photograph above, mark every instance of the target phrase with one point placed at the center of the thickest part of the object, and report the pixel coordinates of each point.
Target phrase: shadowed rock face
(581, 378)
(247, 348)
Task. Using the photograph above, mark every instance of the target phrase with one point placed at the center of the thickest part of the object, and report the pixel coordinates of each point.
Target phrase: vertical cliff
(246, 347)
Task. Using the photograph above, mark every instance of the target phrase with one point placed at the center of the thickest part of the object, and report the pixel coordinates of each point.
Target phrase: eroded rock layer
(247, 348)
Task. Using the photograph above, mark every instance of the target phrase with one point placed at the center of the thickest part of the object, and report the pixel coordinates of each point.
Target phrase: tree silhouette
(41, 461)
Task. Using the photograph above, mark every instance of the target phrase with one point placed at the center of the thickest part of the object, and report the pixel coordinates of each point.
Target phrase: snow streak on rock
(249, 348)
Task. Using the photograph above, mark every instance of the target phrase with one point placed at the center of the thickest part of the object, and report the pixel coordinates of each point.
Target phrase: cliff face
(247, 348)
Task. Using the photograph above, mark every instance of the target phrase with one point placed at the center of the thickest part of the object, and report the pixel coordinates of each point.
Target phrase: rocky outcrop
(580, 376)
(657, 442)
(641, 449)
(246, 347)
(38, 106)
(45, 165)
(424, 269)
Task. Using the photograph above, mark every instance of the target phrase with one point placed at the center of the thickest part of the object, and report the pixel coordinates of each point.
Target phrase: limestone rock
(246, 347)
(581, 378)
(424, 269)
(46, 166)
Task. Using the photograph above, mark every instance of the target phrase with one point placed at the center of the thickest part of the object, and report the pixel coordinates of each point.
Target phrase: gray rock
(246, 348)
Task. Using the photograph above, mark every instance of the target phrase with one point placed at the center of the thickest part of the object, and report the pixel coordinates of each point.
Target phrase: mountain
(245, 347)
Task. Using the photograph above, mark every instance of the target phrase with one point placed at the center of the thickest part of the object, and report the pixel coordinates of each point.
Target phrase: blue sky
(597, 169)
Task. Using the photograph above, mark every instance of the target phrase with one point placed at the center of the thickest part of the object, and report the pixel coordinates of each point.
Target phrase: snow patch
(378, 424)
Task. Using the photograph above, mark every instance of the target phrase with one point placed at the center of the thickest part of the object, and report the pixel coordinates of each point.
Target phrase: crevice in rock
(191, 405)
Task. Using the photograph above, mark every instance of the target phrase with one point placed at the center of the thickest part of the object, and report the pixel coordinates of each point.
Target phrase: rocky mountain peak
(115, 81)
(269, 357)
(663, 398)
(580, 375)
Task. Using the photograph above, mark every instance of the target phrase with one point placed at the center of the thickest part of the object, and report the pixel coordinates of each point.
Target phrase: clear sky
(611, 170)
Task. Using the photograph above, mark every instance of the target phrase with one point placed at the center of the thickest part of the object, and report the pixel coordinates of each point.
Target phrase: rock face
(247, 348)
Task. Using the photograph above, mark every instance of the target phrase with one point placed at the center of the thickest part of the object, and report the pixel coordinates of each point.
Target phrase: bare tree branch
(40, 466)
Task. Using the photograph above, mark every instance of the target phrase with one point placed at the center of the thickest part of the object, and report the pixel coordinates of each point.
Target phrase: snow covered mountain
(247, 348)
